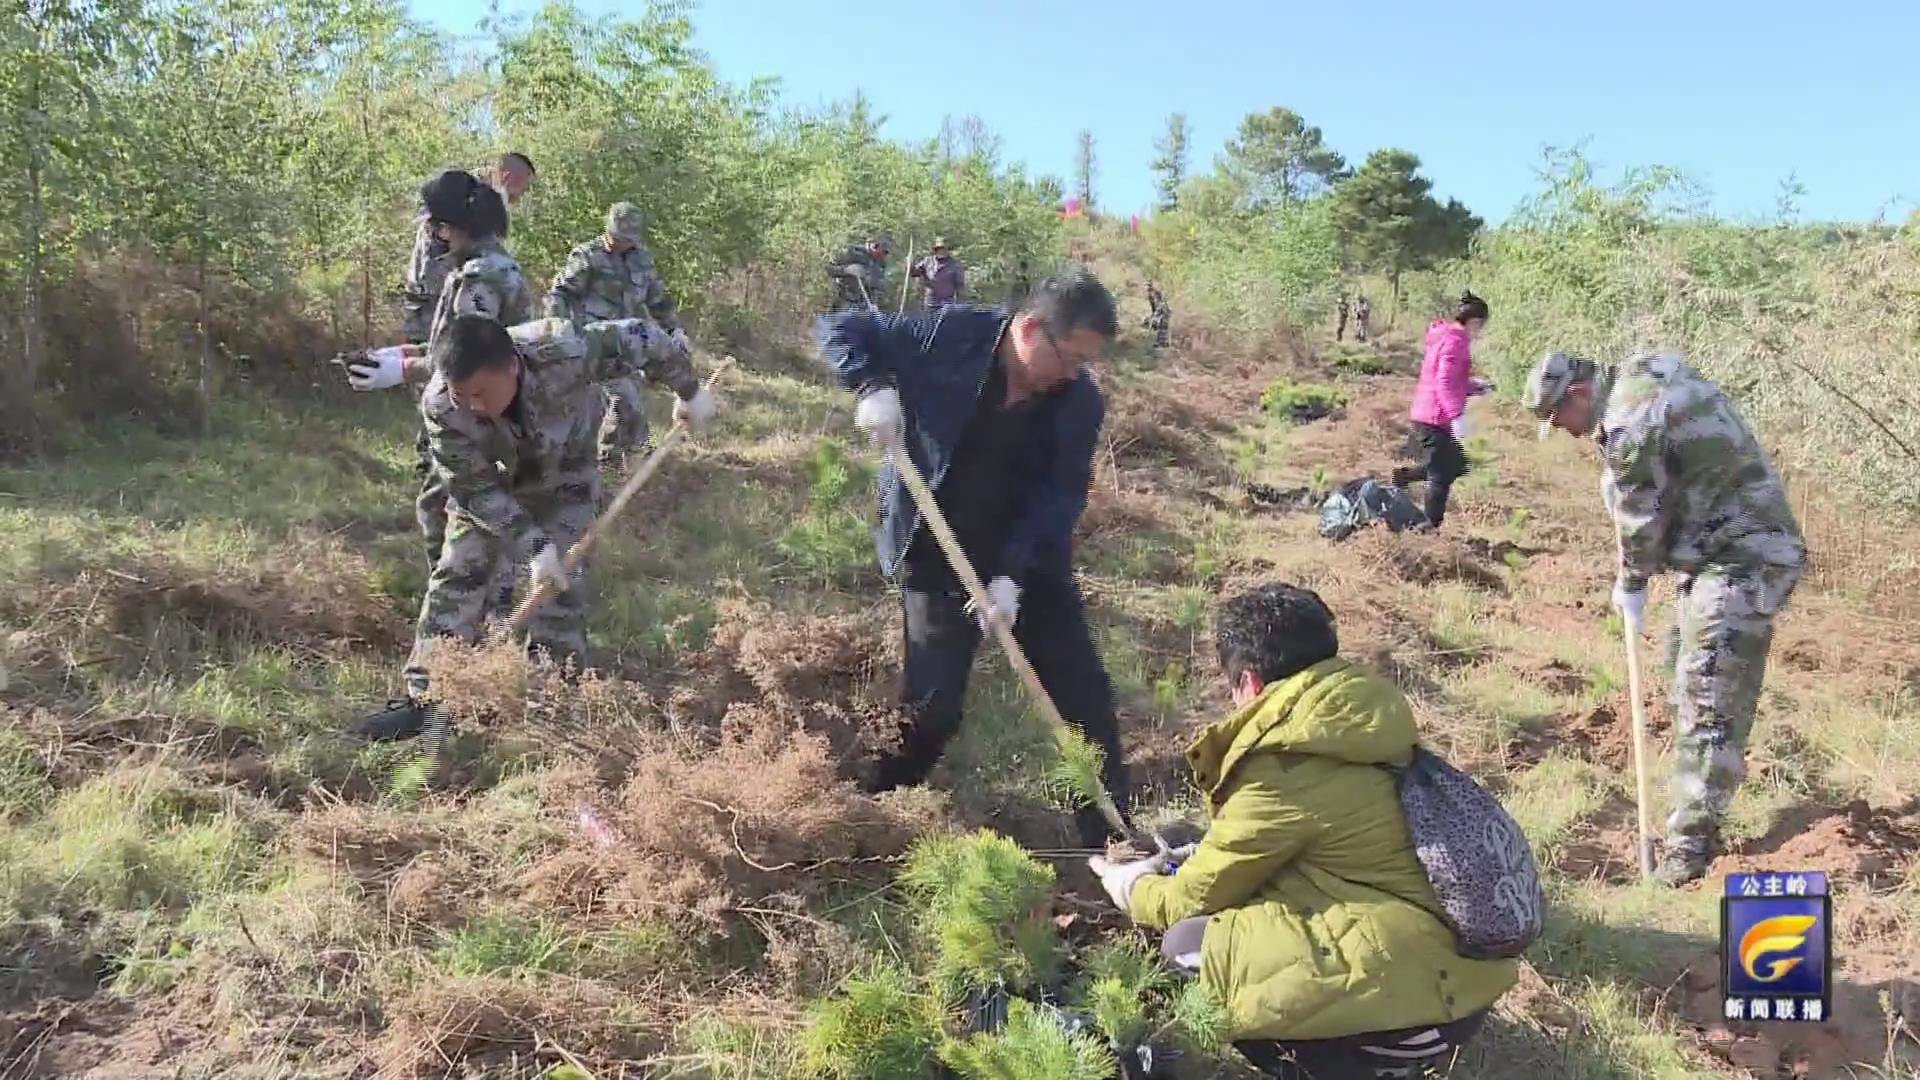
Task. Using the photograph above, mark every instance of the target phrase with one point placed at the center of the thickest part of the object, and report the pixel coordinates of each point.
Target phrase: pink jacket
(1442, 394)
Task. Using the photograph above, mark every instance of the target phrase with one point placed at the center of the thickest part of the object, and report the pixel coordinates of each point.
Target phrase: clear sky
(1738, 94)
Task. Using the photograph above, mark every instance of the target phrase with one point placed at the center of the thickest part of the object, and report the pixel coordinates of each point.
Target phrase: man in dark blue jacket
(1001, 414)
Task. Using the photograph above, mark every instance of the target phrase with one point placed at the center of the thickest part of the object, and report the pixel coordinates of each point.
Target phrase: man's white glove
(878, 414)
(681, 342)
(1459, 428)
(1632, 604)
(381, 369)
(1119, 878)
(696, 412)
(547, 566)
(1003, 604)
(1478, 386)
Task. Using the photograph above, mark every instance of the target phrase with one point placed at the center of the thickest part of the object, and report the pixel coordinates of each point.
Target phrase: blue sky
(1740, 95)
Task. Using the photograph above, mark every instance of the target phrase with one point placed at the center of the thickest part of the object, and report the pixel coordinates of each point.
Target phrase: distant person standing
(1340, 328)
(1160, 317)
(859, 275)
(942, 279)
(1362, 315)
(1439, 412)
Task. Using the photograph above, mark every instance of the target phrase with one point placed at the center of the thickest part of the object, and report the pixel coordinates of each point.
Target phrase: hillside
(657, 870)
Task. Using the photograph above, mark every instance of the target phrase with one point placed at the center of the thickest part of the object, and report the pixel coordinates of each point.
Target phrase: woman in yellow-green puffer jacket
(1304, 906)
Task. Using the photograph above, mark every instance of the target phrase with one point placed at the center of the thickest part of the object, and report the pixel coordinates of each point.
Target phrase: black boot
(403, 718)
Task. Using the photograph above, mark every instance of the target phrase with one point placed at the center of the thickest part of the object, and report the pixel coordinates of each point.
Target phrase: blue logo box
(1776, 947)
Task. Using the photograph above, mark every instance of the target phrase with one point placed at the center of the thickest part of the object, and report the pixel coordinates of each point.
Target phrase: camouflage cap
(626, 222)
(939, 242)
(1548, 382)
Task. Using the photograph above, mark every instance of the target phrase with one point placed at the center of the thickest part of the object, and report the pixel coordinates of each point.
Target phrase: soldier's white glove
(697, 411)
(878, 414)
(1459, 428)
(381, 369)
(1632, 604)
(547, 566)
(681, 342)
(1003, 604)
(1119, 878)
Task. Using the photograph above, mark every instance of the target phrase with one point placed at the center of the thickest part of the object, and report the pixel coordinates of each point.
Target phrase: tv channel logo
(1776, 950)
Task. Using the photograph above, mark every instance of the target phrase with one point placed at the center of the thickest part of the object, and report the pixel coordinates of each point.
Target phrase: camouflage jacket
(852, 269)
(426, 274)
(546, 446)
(487, 283)
(596, 284)
(1686, 482)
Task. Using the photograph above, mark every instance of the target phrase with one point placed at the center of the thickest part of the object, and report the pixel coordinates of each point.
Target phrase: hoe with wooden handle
(1641, 796)
(963, 569)
(578, 552)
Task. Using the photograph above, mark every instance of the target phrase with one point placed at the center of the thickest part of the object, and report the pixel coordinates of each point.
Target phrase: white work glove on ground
(546, 565)
(1119, 878)
(878, 414)
(1459, 428)
(1632, 604)
(381, 369)
(696, 412)
(1003, 604)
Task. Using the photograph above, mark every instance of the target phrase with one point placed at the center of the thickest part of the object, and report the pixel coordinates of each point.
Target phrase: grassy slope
(190, 622)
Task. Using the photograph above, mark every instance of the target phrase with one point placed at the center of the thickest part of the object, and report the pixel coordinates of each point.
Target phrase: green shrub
(880, 1026)
(1032, 1046)
(982, 902)
(1288, 400)
(1118, 986)
(832, 539)
(1359, 360)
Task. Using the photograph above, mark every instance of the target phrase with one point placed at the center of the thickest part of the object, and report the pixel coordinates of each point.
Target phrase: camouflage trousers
(430, 506)
(463, 591)
(1723, 633)
(624, 428)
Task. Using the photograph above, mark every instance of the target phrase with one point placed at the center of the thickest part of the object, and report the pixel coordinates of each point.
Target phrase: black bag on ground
(1359, 502)
(1475, 856)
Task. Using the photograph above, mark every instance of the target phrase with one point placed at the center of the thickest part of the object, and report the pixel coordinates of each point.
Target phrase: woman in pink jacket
(1440, 404)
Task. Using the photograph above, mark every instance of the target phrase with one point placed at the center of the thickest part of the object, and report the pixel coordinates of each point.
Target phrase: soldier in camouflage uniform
(512, 418)
(859, 276)
(1690, 490)
(432, 259)
(613, 277)
(471, 218)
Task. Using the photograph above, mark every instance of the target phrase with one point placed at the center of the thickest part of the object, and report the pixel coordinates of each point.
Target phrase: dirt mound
(495, 1025)
(1856, 843)
(318, 603)
(828, 675)
(1603, 734)
(702, 834)
(1423, 559)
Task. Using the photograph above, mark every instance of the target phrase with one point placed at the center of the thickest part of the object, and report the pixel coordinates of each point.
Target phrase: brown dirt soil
(1603, 735)
(701, 834)
(832, 676)
(320, 604)
(1422, 559)
(1855, 843)
(1856, 1037)
(506, 1027)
